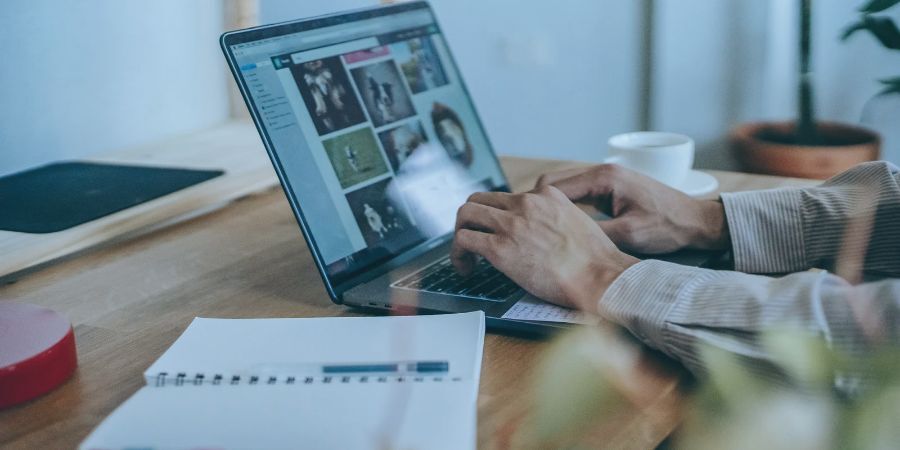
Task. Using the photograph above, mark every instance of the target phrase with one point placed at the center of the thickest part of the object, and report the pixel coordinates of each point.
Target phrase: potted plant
(882, 112)
(804, 148)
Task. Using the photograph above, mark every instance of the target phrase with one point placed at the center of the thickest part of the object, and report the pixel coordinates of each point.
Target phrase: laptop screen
(375, 133)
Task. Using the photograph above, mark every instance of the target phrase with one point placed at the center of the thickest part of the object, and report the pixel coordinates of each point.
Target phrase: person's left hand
(543, 242)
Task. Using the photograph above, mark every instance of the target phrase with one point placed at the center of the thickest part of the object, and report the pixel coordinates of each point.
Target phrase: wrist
(603, 275)
(712, 229)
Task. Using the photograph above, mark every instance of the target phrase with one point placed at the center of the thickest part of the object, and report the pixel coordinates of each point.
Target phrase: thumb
(553, 177)
(592, 186)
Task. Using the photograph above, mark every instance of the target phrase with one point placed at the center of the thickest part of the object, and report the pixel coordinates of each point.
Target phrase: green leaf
(883, 28)
(578, 382)
(803, 356)
(892, 86)
(852, 29)
(875, 6)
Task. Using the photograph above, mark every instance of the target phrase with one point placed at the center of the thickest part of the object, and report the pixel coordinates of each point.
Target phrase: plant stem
(806, 122)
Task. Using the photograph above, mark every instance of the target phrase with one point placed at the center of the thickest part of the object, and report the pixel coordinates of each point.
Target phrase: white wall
(703, 78)
(555, 79)
(550, 79)
(724, 62)
(84, 77)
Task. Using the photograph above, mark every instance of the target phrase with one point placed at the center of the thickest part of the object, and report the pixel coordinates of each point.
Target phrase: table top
(129, 300)
(233, 147)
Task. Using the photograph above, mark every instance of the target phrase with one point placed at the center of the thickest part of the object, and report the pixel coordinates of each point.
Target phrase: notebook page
(247, 346)
(356, 416)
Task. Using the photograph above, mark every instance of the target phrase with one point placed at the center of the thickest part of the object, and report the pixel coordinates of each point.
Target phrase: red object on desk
(37, 352)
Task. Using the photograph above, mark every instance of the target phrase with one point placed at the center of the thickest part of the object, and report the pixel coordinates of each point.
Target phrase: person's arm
(770, 231)
(788, 230)
(548, 246)
(678, 309)
(556, 252)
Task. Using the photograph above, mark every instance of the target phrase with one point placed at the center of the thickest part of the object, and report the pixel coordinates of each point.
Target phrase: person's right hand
(647, 216)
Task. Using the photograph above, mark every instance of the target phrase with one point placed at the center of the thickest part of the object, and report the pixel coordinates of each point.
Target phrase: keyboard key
(485, 282)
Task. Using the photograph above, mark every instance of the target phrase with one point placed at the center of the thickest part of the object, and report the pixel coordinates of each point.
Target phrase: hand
(543, 242)
(647, 216)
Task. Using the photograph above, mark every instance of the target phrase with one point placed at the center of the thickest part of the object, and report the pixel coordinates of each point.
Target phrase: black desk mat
(62, 195)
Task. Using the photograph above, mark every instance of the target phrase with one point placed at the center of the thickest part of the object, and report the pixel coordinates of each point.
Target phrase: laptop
(377, 143)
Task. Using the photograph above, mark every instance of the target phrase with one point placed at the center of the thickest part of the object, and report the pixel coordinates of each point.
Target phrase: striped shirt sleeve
(789, 230)
(677, 308)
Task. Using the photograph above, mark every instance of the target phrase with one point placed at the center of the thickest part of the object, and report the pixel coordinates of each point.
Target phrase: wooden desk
(232, 147)
(130, 300)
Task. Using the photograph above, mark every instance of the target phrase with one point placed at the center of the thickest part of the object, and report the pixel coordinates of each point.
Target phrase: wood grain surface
(234, 147)
(130, 299)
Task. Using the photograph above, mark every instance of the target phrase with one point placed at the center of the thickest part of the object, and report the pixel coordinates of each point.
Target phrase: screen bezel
(337, 285)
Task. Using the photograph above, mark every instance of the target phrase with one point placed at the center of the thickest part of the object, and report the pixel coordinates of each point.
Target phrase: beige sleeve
(789, 230)
(676, 308)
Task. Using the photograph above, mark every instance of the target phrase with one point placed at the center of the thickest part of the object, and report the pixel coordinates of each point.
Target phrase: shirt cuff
(642, 298)
(766, 230)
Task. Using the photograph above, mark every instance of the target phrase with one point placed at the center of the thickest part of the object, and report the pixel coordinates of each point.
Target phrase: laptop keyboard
(485, 282)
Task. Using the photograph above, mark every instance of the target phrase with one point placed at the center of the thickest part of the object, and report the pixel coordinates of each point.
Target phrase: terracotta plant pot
(767, 148)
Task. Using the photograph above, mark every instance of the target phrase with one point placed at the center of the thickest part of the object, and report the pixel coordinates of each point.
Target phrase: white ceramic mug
(667, 157)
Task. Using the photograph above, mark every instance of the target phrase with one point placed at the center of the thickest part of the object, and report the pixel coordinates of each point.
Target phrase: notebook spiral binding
(183, 379)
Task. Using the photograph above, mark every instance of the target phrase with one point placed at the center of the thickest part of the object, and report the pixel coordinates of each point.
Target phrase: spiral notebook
(270, 383)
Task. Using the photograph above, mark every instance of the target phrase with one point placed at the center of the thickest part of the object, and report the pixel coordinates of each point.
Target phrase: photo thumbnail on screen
(383, 93)
(421, 65)
(382, 217)
(399, 143)
(355, 157)
(327, 93)
(452, 134)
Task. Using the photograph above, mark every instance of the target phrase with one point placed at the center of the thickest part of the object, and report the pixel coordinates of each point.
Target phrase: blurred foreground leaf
(580, 381)
(736, 410)
(728, 382)
(804, 356)
(773, 419)
(875, 423)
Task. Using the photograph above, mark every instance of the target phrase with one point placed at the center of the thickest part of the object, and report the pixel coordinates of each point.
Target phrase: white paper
(332, 416)
(238, 346)
(535, 309)
(436, 412)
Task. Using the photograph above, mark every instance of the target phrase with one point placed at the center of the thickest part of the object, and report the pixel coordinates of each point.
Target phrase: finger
(550, 191)
(553, 177)
(479, 217)
(595, 184)
(498, 200)
(467, 245)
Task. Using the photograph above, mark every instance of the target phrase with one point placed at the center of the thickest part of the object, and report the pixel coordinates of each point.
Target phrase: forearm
(854, 215)
(678, 309)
